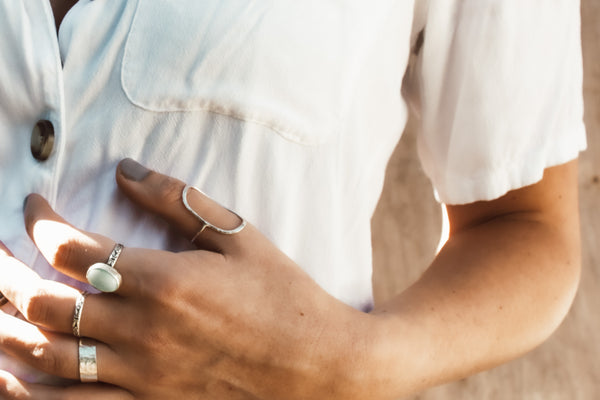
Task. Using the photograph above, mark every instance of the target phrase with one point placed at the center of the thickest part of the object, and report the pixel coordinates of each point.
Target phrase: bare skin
(60, 8)
(500, 286)
(247, 323)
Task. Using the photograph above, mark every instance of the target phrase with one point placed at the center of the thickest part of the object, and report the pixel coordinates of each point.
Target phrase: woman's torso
(284, 111)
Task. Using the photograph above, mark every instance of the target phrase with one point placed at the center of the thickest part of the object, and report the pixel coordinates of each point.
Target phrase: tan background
(406, 232)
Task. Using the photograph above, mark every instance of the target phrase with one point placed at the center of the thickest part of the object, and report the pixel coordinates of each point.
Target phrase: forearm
(494, 291)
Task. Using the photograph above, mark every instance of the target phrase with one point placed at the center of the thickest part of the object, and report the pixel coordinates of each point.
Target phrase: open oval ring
(104, 276)
(205, 223)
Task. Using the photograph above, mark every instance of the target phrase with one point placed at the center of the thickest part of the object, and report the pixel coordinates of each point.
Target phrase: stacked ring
(104, 276)
(88, 362)
(77, 314)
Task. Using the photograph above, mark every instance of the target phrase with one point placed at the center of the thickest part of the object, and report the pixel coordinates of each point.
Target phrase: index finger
(72, 251)
(164, 196)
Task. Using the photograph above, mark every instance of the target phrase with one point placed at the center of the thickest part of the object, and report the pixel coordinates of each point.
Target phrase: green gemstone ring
(104, 276)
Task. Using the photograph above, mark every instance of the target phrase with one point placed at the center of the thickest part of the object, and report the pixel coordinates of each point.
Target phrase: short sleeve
(499, 86)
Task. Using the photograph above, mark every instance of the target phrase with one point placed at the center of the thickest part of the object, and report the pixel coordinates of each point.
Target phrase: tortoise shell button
(42, 140)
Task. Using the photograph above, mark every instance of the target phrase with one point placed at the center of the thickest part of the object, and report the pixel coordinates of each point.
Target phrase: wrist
(334, 358)
(362, 359)
(398, 357)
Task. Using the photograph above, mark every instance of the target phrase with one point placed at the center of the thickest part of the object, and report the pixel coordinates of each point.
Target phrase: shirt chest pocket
(277, 63)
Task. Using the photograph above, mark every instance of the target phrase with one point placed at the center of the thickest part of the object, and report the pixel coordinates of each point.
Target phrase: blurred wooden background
(406, 230)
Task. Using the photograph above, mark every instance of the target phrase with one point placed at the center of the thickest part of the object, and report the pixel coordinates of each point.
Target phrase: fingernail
(133, 170)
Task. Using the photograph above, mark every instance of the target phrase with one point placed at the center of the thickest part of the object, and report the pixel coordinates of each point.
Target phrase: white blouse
(285, 111)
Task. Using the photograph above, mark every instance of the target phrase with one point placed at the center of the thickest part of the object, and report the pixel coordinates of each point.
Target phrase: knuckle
(66, 254)
(157, 285)
(46, 359)
(160, 291)
(37, 308)
(169, 191)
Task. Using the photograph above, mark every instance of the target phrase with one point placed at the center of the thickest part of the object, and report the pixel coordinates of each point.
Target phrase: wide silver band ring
(205, 223)
(88, 362)
(76, 325)
(104, 276)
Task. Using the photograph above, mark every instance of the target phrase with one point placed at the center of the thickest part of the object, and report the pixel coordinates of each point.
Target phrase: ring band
(77, 314)
(205, 223)
(104, 276)
(88, 362)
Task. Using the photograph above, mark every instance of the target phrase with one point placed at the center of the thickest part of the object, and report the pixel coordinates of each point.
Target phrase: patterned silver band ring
(78, 312)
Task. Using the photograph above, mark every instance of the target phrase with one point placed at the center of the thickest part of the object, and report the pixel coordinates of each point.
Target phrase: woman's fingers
(12, 388)
(73, 251)
(54, 353)
(162, 195)
(40, 301)
(51, 304)
(61, 243)
(4, 301)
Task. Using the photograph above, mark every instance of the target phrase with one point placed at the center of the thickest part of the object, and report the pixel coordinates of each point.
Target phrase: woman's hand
(235, 319)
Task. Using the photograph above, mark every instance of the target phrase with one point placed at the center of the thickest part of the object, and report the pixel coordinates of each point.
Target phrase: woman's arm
(500, 286)
(238, 320)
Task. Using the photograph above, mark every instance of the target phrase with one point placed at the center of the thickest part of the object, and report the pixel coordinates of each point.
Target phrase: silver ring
(88, 362)
(205, 223)
(77, 314)
(104, 276)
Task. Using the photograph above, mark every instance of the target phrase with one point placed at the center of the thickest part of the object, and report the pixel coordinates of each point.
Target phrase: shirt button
(42, 140)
